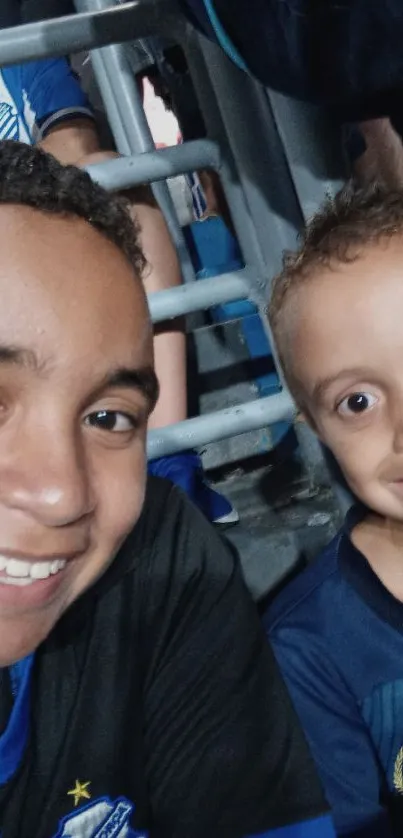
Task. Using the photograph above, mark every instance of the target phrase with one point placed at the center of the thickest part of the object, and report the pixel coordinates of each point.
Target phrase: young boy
(336, 313)
(138, 694)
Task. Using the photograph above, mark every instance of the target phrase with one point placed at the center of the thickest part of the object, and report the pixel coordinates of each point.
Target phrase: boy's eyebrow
(143, 379)
(18, 355)
(324, 384)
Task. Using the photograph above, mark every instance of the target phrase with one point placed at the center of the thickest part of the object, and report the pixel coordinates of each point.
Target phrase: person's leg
(169, 338)
(171, 81)
(185, 468)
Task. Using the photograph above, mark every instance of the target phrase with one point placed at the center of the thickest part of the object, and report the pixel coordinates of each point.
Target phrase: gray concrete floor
(284, 522)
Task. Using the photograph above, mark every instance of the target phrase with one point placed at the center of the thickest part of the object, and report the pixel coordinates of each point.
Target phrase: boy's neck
(380, 540)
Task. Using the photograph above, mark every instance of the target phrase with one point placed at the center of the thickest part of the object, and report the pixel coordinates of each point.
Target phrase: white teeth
(57, 565)
(40, 570)
(17, 581)
(16, 569)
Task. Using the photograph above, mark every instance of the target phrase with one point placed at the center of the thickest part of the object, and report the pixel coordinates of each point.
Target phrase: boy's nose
(48, 478)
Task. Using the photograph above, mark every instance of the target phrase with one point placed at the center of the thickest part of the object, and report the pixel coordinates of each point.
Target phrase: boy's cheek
(361, 457)
(357, 453)
(121, 495)
(121, 492)
(347, 452)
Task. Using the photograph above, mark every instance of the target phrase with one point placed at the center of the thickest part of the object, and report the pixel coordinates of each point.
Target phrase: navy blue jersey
(36, 96)
(156, 707)
(338, 637)
(318, 50)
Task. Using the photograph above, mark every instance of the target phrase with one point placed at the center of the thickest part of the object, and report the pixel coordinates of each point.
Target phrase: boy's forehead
(60, 277)
(63, 251)
(348, 316)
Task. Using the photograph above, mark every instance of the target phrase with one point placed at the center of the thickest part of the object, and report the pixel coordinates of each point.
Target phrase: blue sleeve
(336, 733)
(317, 828)
(50, 92)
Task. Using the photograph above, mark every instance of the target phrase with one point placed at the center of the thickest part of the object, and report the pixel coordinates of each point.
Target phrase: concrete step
(283, 523)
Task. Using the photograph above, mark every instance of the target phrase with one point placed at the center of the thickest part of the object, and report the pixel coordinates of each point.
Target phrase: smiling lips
(21, 573)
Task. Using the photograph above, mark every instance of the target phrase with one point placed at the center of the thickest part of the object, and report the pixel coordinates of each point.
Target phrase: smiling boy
(137, 691)
(337, 316)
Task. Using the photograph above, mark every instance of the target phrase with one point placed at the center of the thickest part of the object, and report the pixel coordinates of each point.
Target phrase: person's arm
(56, 107)
(336, 733)
(225, 754)
(70, 140)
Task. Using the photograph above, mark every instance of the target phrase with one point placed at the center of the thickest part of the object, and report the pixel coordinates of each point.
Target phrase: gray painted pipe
(152, 166)
(195, 296)
(194, 433)
(73, 33)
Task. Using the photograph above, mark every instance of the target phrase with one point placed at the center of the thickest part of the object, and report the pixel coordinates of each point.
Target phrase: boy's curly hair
(30, 177)
(354, 219)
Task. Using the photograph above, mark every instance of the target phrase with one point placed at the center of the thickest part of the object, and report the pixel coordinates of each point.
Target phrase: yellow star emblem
(80, 792)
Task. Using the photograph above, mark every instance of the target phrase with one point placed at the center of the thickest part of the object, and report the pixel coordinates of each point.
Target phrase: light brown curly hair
(351, 221)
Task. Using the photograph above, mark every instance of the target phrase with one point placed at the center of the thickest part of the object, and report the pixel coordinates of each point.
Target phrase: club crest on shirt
(103, 818)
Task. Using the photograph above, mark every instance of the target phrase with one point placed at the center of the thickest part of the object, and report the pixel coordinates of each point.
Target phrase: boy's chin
(20, 636)
(394, 513)
(387, 504)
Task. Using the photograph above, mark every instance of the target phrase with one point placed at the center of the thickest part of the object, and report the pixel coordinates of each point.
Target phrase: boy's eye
(111, 420)
(356, 403)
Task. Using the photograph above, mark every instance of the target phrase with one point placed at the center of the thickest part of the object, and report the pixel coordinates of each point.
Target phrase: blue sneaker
(185, 470)
(215, 506)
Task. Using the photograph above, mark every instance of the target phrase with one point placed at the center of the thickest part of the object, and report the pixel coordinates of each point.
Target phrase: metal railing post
(128, 111)
(86, 31)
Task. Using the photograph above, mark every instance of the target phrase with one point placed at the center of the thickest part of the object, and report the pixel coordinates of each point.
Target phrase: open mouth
(21, 573)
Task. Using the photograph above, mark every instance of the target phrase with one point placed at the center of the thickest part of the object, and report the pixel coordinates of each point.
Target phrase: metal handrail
(85, 31)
